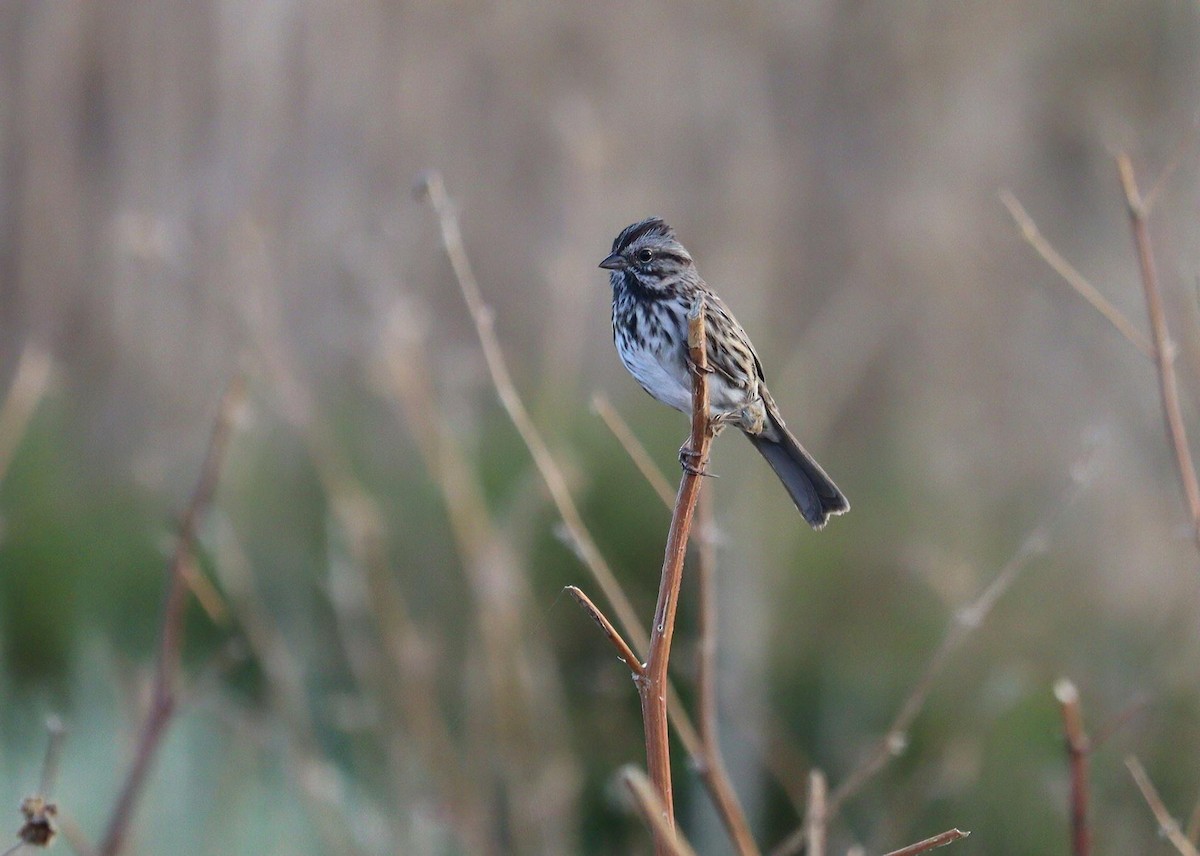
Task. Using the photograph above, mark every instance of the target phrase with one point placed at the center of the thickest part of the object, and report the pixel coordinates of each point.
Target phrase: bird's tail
(814, 493)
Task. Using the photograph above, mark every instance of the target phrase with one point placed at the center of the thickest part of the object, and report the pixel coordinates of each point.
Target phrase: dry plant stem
(1077, 281)
(526, 697)
(710, 763)
(1078, 750)
(940, 840)
(652, 686)
(815, 815)
(396, 671)
(636, 451)
(650, 807)
(164, 691)
(434, 188)
(551, 474)
(624, 652)
(1168, 827)
(1164, 348)
(967, 620)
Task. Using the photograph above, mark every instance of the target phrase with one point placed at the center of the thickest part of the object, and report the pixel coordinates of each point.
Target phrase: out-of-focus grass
(210, 186)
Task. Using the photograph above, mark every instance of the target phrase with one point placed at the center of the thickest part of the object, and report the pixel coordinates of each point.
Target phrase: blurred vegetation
(191, 189)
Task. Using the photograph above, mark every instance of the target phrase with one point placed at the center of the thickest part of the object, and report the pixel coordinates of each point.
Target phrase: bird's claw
(689, 459)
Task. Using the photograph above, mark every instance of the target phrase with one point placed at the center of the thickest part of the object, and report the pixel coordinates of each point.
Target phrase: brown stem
(624, 652)
(652, 686)
(1078, 750)
(939, 840)
(164, 691)
(708, 761)
(1164, 347)
(433, 187)
(551, 473)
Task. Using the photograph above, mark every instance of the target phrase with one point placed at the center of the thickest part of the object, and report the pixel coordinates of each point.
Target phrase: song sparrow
(655, 282)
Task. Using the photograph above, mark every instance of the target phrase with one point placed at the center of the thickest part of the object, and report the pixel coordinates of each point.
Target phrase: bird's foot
(689, 459)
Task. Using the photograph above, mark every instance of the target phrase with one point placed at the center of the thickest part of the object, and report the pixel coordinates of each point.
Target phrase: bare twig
(164, 690)
(940, 840)
(634, 448)
(29, 384)
(652, 687)
(1168, 827)
(650, 807)
(1078, 750)
(1164, 347)
(816, 815)
(711, 763)
(1077, 281)
(967, 620)
(434, 188)
(624, 652)
(552, 475)
(524, 683)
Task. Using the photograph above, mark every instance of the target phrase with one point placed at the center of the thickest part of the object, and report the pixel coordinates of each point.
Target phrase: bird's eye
(644, 255)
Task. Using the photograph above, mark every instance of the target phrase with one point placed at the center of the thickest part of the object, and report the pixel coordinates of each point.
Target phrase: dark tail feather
(814, 493)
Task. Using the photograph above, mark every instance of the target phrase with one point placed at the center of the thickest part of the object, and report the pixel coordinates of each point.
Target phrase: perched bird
(654, 284)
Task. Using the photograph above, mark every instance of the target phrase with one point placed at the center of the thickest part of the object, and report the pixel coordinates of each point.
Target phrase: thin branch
(940, 840)
(650, 807)
(1168, 827)
(1164, 347)
(624, 652)
(435, 190)
(516, 654)
(552, 475)
(710, 765)
(1077, 281)
(164, 690)
(652, 687)
(1078, 750)
(816, 814)
(967, 620)
(634, 448)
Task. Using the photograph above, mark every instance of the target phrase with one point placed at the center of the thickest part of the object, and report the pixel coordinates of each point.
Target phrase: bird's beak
(614, 262)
